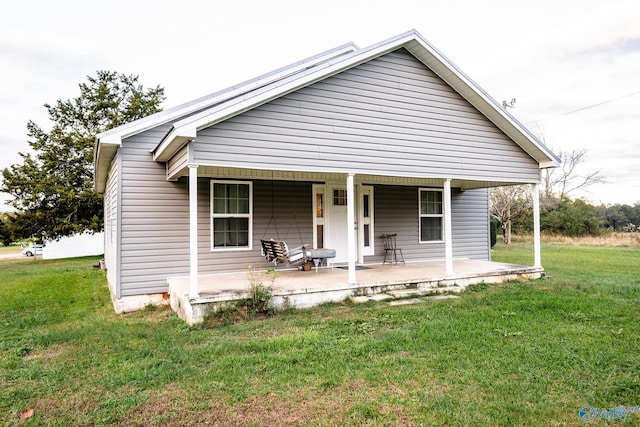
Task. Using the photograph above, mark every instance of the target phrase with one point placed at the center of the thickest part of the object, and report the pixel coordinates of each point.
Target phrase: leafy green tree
(5, 232)
(622, 217)
(615, 217)
(52, 188)
(572, 218)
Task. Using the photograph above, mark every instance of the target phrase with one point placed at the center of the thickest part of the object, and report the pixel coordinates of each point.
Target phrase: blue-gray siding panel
(389, 116)
(281, 210)
(111, 225)
(470, 224)
(396, 211)
(154, 219)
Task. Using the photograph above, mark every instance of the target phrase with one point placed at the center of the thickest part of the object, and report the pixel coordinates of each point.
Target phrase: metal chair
(390, 245)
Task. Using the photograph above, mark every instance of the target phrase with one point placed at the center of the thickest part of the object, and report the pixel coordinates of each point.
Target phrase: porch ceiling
(282, 175)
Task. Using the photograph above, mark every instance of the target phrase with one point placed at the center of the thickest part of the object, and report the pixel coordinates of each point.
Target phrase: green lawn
(519, 354)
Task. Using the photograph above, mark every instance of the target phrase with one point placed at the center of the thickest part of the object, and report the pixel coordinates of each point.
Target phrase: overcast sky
(573, 66)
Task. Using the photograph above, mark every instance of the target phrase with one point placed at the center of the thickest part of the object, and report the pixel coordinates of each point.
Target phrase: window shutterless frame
(231, 213)
(431, 215)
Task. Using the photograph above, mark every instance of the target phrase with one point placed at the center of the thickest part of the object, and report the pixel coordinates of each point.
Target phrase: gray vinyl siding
(155, 243)
(283, 210)
(396, 211)
(287, 202)
(389, 116)
(155, 219)
(470, 224)
(111, 207)
(179, 161)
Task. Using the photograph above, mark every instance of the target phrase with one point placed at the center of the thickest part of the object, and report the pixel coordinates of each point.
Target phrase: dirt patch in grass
(83, 403)
(48, 354)
(347, 404)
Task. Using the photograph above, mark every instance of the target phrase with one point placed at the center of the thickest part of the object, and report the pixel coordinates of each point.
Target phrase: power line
(588, 107)
(609, 101)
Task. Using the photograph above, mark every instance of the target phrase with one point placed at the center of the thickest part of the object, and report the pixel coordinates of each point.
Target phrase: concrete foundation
(301, 289)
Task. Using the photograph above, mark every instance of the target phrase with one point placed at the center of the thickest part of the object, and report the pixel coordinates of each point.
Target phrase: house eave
(173, 141)
(105, 151)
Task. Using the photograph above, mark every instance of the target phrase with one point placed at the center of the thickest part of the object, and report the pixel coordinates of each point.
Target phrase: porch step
(418, 293)
(374, 297)
(419, 300)
(402, 293)
(406, 301)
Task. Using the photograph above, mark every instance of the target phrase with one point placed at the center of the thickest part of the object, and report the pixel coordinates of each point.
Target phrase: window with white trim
(231, 215)
(431, 215)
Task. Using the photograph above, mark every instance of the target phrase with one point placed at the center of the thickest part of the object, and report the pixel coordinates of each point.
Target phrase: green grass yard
(519, 354)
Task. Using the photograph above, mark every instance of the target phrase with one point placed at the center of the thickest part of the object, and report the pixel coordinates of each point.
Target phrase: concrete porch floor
(294, 288)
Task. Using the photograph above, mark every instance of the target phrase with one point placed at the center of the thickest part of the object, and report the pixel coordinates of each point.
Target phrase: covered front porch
(436, 264)
(300, 289)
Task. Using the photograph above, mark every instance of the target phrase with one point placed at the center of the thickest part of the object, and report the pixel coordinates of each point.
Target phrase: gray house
(332, 151)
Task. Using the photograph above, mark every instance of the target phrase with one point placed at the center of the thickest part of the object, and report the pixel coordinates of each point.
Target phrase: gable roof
(215, 108)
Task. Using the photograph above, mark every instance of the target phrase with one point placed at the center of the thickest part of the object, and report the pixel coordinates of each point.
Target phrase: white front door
(330, 220)
(336, 222)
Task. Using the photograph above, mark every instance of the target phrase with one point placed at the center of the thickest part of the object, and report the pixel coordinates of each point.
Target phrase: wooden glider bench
(278, 252)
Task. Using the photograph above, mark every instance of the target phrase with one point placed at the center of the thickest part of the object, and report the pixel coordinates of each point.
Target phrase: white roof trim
(414, 43)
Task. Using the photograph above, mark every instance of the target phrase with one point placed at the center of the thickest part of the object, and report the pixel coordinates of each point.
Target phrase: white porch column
(193, 231)
(351, 224)
(537, 259)
(448, 244)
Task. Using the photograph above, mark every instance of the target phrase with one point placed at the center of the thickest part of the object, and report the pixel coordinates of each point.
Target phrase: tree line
(511, 207)
(577, 217)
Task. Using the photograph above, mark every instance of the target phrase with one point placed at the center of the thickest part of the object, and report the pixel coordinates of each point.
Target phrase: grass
(607, 238)
(519, 354)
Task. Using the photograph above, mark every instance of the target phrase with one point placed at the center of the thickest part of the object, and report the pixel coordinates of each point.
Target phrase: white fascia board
(103, 156)
(173, 142)
(110, 139)
(549, 164)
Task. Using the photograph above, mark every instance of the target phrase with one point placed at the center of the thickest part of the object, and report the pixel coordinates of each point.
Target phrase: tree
(53, 187)
(557, 183)
(622, 217)
(572, 218)
(5, 231)
(507, 204)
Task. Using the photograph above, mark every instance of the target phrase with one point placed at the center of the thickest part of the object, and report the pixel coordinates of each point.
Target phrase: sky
(572, 66)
